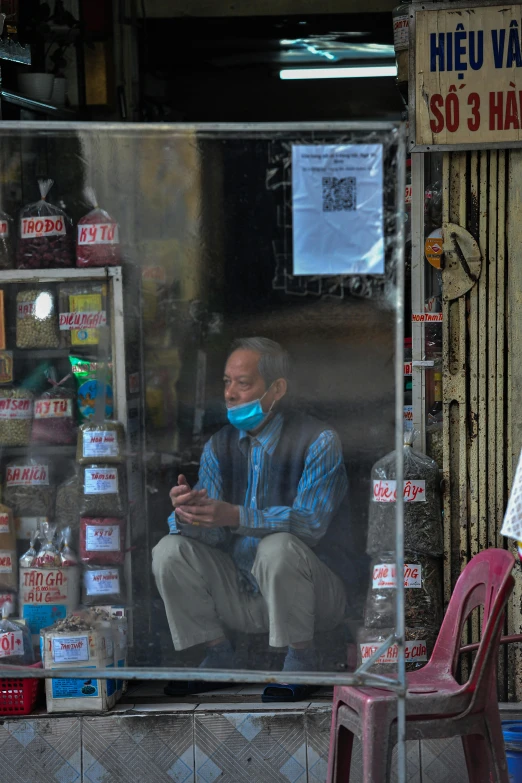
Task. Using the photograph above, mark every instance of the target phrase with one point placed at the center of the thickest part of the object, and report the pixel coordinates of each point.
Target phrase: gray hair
(274, 360)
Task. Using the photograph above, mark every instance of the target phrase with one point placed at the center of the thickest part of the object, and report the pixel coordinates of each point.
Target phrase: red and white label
(156, 273)
(16, 408)
(98, 234)
(416, 651)
(43, 227)
(73, 648)
(408, 417)
(103, 582)
(407, 194)
(427, 318)
(386, 491)
(27, 476)
(408, 368)
(69, 321)
(400, 32)
(100, 443)
(4, 229)
(134, 383)
(7, 600)
(11, 643)
(53, 409)
(6, 562)
(385, 576)
(4, 523)
(102, 538)
(100, 481)
(26, 309)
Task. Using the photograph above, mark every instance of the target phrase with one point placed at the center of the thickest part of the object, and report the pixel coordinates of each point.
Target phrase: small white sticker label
(43, 227)
(102, 443)
(408, 417)
(98, 234)
(4, 523)
(4, 229)
(102, 582)
(6, 562)
(26, 476)
(16, 408)
(400, 32)
(385, 491)
(73, 648)
(53, 409)
(99, 481)
(89, 320)
(102, 538)
(11, 643)
(416, 651)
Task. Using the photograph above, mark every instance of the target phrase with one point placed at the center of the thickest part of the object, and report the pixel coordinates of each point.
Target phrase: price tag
(67, 649)
(42, 227)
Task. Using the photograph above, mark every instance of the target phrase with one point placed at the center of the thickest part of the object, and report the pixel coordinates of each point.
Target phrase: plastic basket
(18, 696)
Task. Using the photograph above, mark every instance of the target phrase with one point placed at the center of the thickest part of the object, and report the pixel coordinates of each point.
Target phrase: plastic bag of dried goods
(46, 234)
(36, 319)
(102, 442)
(16, 647)
(95, 396)
(98, 238)
(67, 555)
(422, 503)
(48, 556)
(102, 540)
(54, 414)
(103, 491)
(6, 241)
(103, 585)
(28, 558)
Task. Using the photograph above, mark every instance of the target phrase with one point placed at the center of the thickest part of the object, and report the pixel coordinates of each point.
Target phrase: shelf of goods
(64, 365)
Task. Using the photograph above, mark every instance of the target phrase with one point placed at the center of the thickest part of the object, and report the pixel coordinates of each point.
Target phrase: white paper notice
(337, 207)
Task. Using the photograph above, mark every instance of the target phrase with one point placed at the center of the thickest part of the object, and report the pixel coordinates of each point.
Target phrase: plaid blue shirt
(320, 492)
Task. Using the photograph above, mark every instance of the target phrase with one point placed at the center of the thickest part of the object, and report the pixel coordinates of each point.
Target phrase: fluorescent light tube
(338, 73)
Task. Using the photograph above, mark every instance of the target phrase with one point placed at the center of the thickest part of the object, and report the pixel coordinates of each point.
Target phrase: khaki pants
(199, 586)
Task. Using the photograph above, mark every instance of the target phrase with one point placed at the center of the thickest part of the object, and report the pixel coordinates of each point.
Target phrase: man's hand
(183, 495)
(209, 513)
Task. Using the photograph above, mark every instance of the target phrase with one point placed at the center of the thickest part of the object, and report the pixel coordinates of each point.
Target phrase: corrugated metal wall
(482, 375)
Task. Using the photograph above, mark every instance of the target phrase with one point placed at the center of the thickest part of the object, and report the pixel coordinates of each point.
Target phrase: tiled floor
(230, 737)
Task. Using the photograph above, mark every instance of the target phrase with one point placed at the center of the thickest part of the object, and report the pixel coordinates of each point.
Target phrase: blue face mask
(248, 416)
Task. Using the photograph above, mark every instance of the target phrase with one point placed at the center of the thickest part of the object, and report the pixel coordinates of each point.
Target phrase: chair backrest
(486, 581)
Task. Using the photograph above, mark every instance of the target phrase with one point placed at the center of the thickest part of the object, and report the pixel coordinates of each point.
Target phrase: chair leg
(342, 757)
(478, 759)
(496, 745)
(376, 751)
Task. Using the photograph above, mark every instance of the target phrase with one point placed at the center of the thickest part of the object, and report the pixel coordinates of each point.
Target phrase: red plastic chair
(436, 705)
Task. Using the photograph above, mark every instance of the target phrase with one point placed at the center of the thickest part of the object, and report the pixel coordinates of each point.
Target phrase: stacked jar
(100, 455)
(423, 544)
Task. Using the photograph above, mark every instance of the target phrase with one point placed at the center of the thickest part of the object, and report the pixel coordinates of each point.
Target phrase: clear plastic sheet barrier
(201, 409)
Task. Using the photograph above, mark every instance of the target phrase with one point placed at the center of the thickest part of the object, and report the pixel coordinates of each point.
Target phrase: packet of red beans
(54, 416)
(102, 540)
(46, 234)
(48, 556)
(67, 556)
(98, 239)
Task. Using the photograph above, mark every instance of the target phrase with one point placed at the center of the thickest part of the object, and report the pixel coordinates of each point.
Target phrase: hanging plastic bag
(422, 505)
(54, 415)
(28, 558)
(98, 240)
(67, 555)
(16, 647)
(48, 556)
(6, 241)
(45, 240)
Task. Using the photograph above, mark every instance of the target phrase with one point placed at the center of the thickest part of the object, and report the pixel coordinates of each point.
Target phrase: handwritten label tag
(42, 227)
(98, 234)
(385, 491)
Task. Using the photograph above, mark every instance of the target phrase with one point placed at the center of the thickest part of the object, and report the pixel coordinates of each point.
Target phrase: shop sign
(468, 75)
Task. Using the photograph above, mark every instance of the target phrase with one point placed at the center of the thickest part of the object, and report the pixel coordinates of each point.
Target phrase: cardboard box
(83, 649)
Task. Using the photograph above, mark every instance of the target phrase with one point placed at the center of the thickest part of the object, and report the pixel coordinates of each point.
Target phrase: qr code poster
(337, 209)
